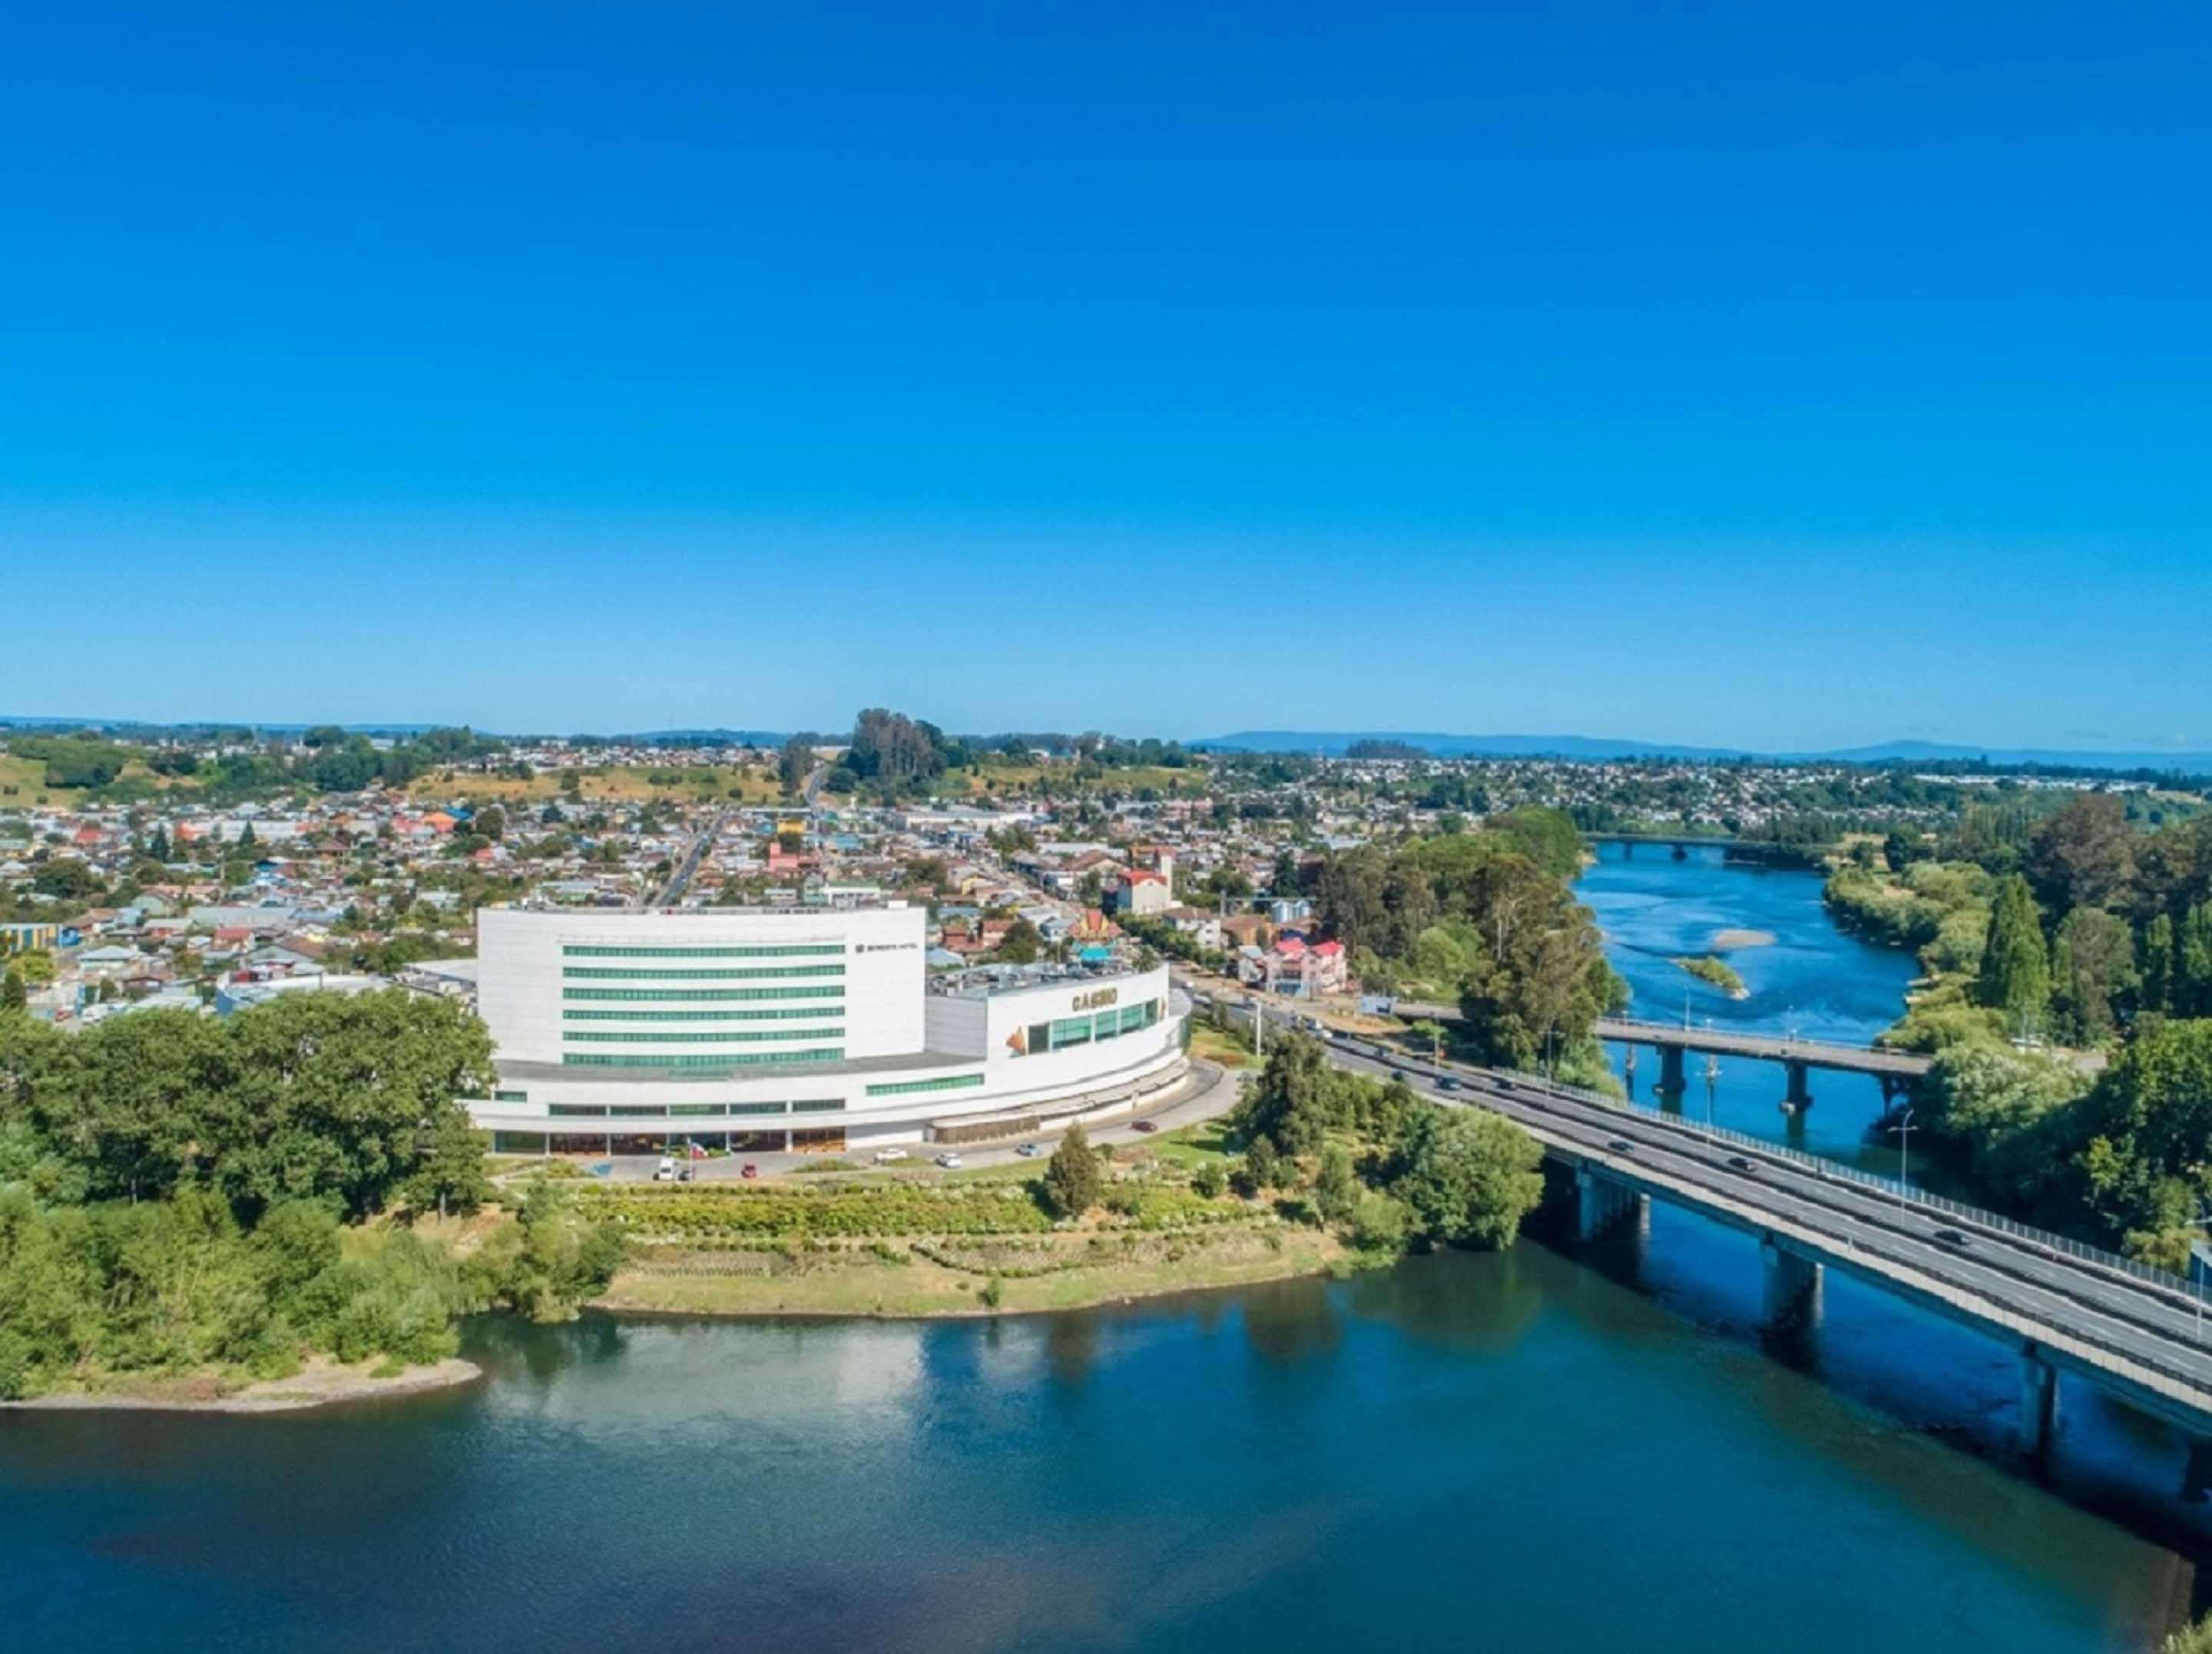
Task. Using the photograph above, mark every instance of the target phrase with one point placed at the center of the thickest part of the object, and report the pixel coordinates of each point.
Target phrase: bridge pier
(1894, 1086)
(1799, 1097)
(1791, 1297)
(2038, 1402)
(1601, 1203)
(1670, 1070)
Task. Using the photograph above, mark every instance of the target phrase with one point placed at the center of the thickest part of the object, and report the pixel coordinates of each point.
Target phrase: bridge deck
(1813, 1053)
(2133, 1333)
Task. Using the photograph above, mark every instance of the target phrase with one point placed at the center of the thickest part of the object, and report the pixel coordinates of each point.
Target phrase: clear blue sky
(1743, 374)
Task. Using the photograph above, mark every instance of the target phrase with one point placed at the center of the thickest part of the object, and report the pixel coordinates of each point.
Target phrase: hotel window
(825, 1105)
(727, 973)
(1071, 1030)
(791, 951)
(902, 1087)
(577, 1110)
(690, 1059)
(510, 1097)
(707, 1036)
(784, 1015)
(696, 996)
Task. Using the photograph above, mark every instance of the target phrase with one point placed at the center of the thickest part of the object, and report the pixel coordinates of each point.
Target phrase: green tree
(1072, 1181)
(1469, 1176)
(2160, 965)
(2192, 976)
(2093, 965)
(1296, 1100)
(1336, 1190)
(2015, 976)
(1022, 943)
(14, 995)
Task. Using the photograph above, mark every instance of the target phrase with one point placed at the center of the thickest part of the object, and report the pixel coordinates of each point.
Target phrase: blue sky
(1715, 373)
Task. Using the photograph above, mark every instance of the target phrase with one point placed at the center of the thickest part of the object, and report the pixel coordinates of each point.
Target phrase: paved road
(2139, 1337)
(680, 880)
(1209, 1092)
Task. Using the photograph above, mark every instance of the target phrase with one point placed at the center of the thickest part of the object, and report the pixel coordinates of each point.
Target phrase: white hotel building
(756, 1029)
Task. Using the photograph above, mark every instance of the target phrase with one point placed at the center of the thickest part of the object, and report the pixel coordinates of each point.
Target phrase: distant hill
(1591, 749)
(1333, 743)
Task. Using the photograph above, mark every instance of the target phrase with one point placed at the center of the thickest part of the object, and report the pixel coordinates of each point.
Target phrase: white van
(665, 1171)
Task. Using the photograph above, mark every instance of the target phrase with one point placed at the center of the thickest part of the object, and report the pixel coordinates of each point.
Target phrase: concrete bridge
(2066, 1310)
(1896, 1070)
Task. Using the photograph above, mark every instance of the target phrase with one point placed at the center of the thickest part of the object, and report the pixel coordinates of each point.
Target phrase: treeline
(2078, 927)
(2119, 1158)
(119, 1290)
(334, 762)
(177, 1192)
(1390, 1168)
(1488, 918)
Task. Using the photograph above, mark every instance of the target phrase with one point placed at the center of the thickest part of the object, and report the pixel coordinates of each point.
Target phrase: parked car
(949, 1160)
(684, 1174)
(1144, 1125)
(665, 1171)
(1030, 1151)
(885, 1157)
(750, 1170)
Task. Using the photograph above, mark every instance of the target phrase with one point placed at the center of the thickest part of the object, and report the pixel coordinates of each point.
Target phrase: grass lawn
(1192, 1146)
(23, 783)
(859, 1283)
(1217, 1047)
(624, 785)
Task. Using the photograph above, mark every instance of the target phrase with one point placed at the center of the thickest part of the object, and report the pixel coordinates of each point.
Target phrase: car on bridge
(1621, 1145)
(1953, 1237)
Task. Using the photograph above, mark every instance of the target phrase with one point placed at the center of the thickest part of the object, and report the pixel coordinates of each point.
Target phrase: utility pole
(1903, 1131)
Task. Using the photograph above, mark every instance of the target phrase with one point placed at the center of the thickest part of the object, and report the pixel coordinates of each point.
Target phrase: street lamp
(1903, 1131)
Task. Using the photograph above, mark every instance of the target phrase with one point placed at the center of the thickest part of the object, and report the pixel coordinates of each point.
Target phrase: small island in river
(1718, 972)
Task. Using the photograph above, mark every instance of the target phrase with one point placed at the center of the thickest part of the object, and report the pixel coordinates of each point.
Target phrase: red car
(750, 1170)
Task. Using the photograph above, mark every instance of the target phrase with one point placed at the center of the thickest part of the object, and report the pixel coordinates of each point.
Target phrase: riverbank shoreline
(922, 1290)
(318, 1384)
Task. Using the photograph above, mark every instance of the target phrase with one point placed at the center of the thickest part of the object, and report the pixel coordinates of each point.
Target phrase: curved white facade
(766, 1028)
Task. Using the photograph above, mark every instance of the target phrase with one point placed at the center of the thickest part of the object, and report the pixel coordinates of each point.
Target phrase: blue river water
(1811, 980)
(1553, 1448)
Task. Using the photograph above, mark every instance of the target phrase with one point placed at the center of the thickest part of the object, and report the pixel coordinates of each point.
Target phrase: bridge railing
(1836, 1170)
(1748, 1035)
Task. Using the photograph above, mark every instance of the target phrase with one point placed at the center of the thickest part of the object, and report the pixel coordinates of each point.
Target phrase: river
(1812, 980)
(1543, 1450)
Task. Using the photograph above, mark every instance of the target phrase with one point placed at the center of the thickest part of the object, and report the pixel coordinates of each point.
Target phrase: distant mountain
(1333, 743)
(1586, 748)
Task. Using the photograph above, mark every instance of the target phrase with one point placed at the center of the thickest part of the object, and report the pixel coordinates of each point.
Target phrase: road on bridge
(2141, 1338)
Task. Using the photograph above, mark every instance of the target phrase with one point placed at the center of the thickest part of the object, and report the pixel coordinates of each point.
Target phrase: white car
(949, 1160)
(665, 1171)
(888, 1156)
(1030, 1151)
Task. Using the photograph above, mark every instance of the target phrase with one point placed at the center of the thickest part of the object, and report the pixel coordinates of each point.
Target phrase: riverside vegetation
(183, 1196)
(2087, 927)
(1314, 1169)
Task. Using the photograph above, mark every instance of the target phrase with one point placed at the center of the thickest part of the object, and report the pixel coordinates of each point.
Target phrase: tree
(2092, 965)
(14, 996)
(1073, 1181)
(2016, 977)
(2154, 991)
(158, 846)
(1296, 1100)
(2192, 975)
(490, 822)
(1469, 1176)
(2084, 855)
(1336, 1190)
(1021, 944)
(793, 765)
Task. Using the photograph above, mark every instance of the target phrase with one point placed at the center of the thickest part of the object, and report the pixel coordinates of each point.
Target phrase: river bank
(931, 1281)
(318, 1383)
